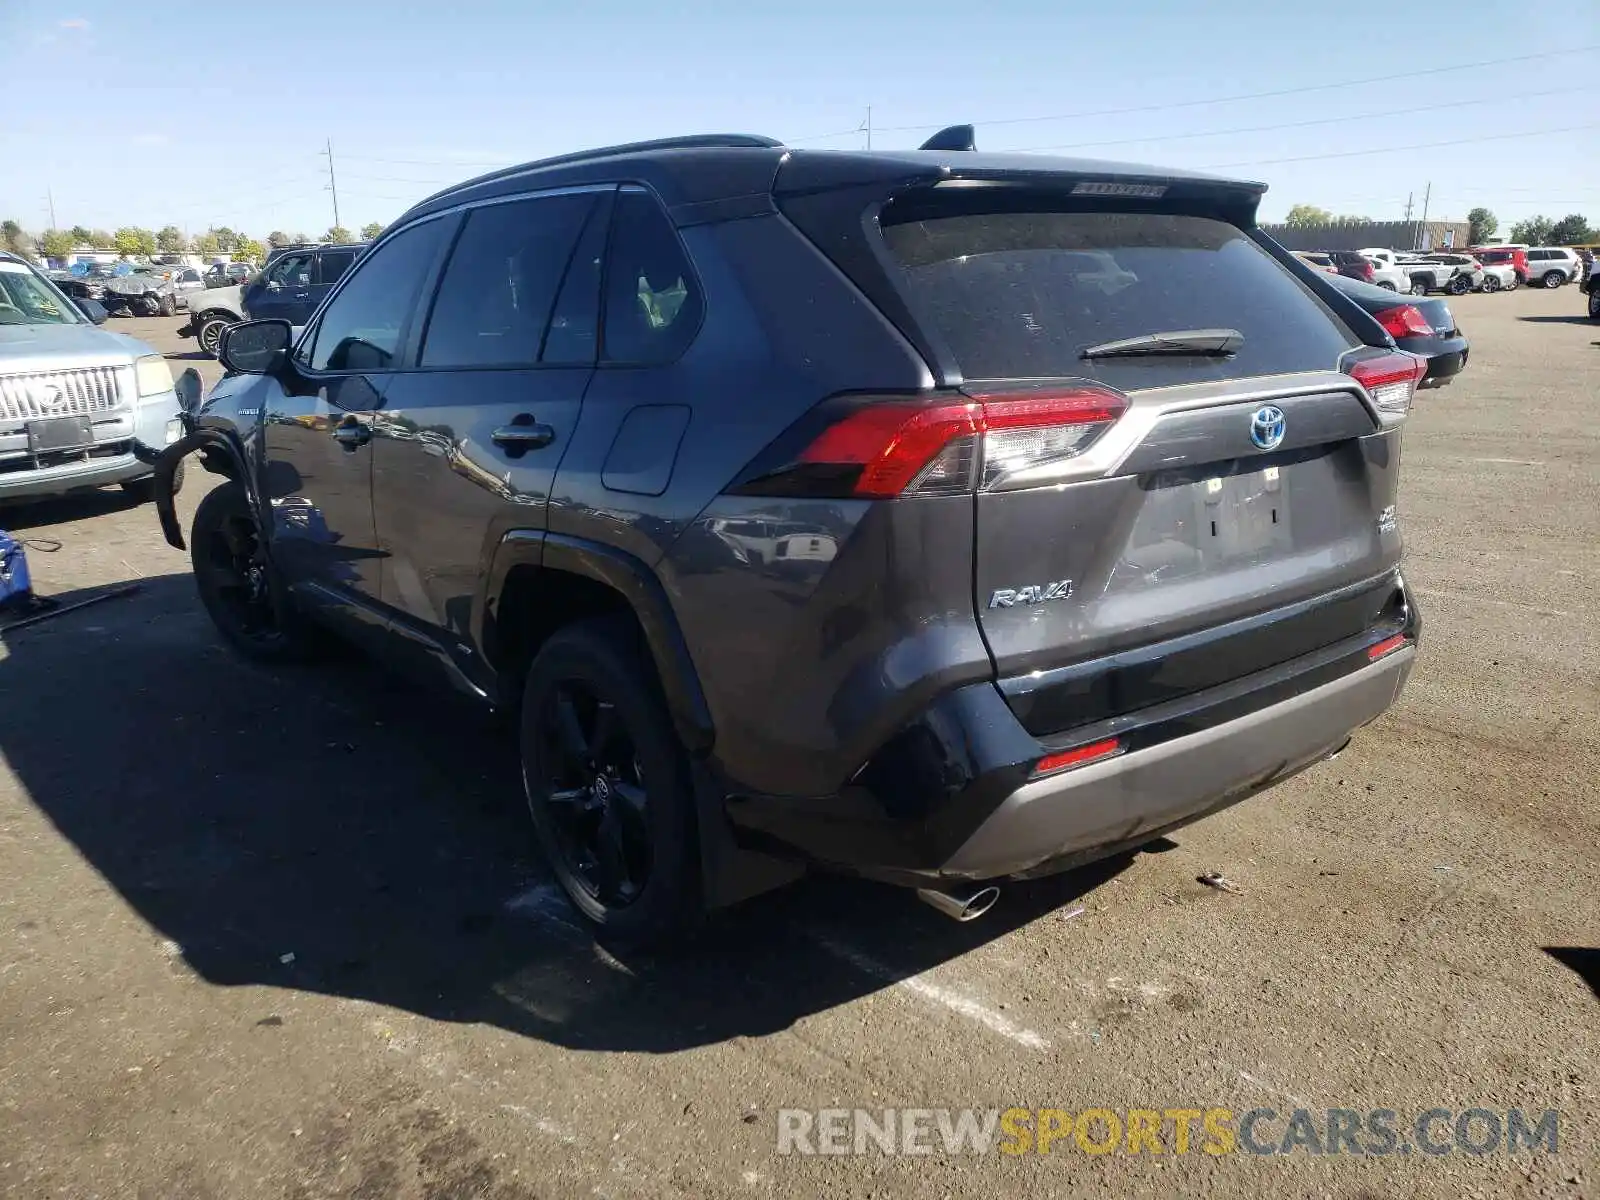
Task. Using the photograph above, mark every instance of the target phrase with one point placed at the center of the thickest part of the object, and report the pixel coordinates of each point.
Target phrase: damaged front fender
(217, 455)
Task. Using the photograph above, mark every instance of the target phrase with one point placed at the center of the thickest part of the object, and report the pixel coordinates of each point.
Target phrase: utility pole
(868, 127)
(1409, 195)
(1426, 196)
(50, 195)
(333, 184)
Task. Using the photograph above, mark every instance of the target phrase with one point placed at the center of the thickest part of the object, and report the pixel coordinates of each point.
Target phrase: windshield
(25, 299)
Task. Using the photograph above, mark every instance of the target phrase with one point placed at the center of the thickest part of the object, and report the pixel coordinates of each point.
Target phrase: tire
(169, 306)
(144, 490)
(608, 785)
(148, 306)
(240, 588)
(1594, 304)
(1419, 287)
(1491, 283)
(1552, 279)
(1387, 286)
(209, 334)
(1459, 285)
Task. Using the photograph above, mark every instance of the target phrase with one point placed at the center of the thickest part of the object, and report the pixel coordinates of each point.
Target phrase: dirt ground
(283, 933)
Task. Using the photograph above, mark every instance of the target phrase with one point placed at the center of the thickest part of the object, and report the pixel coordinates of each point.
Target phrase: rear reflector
(1077, 757)
(958, 444)
(1405, 320)
(1386, 647)
(1391, 380)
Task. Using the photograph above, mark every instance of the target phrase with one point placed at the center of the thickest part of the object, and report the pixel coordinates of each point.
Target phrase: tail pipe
(960, 907)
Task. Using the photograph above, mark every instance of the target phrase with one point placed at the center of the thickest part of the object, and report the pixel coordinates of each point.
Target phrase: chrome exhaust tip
(958, 907)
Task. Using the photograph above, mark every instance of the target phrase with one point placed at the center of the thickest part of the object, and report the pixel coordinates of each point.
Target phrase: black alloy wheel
(594, 792)
(608, 784)
(238, 583)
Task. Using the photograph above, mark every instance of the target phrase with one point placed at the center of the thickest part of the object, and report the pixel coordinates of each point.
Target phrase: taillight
(1391, 380)
(1366, 270)
(1404, 321)
(974, 440)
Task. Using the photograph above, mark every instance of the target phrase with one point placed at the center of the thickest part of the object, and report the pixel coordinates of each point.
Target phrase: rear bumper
(953, 797)
(1112, 802)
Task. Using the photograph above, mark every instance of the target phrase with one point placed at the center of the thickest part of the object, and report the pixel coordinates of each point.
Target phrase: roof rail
(697, 141)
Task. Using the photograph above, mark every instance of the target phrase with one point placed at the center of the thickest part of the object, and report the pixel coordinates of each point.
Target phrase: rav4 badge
(1034, 593)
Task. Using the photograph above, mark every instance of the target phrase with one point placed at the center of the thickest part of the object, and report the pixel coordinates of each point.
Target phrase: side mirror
(92, 309)
(255, 347)
(190, 390)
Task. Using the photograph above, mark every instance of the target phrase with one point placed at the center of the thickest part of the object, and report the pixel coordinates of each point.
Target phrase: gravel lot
(283, 933)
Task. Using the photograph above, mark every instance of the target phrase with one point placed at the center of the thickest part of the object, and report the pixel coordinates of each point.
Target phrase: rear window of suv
(1021, 294)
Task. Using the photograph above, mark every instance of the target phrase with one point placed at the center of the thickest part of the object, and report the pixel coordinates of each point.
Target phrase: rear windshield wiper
(1215, 343)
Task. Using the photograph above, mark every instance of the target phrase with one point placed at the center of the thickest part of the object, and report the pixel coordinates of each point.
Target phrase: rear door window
(333, 264)
(494, 303)
(1021, 294)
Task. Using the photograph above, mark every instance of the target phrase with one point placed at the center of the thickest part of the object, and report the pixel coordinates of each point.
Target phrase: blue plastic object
(16, 587)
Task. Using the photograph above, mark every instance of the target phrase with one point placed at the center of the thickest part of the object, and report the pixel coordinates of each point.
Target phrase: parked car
(140, 294)
(1591, 288)
(1416, 274)
(186, 282)
(1552, 266)
(1390, 276)
(1352, 265)
(1514, 257)
(220, 275)
(210, 312)
(78, 404)
(1322, 262)
(1419, 326)
(77, 287)
(1467, 272)
(295, 282)
(1077, 548)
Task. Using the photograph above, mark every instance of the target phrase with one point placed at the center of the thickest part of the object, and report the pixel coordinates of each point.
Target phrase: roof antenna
(955, 137)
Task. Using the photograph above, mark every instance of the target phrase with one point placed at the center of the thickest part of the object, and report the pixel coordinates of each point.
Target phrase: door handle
(524, 433)
(351, 433)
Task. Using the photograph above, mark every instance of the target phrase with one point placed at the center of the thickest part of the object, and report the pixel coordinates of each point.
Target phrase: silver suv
(80, 407)
(1552, 266)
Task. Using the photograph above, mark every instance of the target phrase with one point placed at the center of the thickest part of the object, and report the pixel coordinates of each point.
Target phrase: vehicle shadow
(79, 506)
(1584, 961)
(1573, 319)
(331, 829)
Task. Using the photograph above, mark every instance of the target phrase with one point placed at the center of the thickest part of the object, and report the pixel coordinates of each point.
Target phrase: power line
(1482, 137)
(1393, 112)
(1294, 91)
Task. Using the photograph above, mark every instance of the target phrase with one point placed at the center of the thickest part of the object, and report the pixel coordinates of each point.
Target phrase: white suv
(1551, 266)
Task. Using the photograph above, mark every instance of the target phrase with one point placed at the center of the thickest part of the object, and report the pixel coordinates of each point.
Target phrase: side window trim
(419, 330)
(405, 345)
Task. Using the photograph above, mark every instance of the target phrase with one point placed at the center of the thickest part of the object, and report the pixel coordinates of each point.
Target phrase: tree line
(1571, 230)
(132, 240)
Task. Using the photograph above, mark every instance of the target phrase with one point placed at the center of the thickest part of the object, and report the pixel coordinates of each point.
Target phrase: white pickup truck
(1409, 272)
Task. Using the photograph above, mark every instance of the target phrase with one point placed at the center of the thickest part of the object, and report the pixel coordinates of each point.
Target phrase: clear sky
(142, 113)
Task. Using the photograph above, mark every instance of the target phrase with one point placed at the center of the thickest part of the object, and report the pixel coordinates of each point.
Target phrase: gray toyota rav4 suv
(932, 516)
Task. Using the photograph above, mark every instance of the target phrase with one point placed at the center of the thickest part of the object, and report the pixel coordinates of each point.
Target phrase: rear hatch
(1223, 499)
